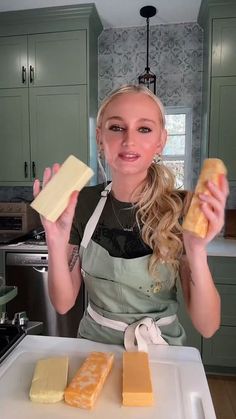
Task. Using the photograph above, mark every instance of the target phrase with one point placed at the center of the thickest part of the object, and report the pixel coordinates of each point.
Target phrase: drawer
(223, 269)
(228, 304)
(220, 350)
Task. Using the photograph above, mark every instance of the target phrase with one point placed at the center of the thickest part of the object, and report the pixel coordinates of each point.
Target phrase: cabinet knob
(31, 74)
(23, 74)
(33, 169)
(26, 169)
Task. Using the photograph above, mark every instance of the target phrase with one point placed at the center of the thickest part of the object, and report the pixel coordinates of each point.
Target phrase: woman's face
(131, 133)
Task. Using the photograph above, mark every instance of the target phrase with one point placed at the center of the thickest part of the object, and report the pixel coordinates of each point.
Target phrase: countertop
(218, 247)
(178, 378)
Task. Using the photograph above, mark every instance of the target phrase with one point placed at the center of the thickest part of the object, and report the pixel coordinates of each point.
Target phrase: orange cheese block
(195, 221)
(88, 382)
(137, 384)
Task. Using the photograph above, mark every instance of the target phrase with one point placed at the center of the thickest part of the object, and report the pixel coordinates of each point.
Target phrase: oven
(28, 271)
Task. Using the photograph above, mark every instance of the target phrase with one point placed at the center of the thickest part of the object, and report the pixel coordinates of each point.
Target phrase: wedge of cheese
(53, 199)
(137, 384)
(49, 380)
(88, 382)
(195, 221)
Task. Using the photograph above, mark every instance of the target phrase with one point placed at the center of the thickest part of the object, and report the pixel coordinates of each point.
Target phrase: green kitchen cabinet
(222, 136)
(14, 135)
(48, 90)
(223, 47)
(220, 350)
(218, 20)
(14, 61)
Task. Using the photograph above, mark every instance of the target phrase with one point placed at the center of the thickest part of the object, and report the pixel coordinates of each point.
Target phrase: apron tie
(139, 334)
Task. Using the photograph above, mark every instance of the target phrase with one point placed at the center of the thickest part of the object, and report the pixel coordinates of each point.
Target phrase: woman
(132, 251)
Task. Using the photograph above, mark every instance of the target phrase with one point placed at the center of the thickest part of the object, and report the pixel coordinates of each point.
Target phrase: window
(178, 150)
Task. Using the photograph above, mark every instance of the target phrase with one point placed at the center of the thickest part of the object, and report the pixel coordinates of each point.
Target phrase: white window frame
(175, 110)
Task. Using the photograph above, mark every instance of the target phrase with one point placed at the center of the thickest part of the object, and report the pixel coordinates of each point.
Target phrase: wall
(176, 59)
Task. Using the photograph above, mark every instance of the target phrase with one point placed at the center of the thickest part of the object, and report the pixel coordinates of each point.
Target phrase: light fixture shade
(148, 78)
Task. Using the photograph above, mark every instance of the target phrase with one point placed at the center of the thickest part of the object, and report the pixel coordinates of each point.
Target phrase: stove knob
(3, 318)
(20, 319)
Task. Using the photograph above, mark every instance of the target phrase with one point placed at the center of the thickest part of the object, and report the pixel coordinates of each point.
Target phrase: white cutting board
(180, 386)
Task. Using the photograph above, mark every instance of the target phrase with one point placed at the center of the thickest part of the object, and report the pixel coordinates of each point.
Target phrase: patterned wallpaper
(175, 56)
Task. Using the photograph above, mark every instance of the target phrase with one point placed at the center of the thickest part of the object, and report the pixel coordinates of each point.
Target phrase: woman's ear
(162, 141)
(98, 136)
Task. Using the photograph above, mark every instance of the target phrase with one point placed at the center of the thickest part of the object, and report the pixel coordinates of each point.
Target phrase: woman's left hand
(213, 206)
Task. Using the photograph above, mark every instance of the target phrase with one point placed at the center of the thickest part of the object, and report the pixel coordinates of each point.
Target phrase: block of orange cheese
(137, 384)
(88, 382)
(54, 197)
(195, 221)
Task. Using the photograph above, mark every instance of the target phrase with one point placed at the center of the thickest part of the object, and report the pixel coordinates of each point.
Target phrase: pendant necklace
(124, 228)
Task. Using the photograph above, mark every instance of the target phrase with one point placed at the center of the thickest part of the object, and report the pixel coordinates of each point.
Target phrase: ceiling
(121, 13)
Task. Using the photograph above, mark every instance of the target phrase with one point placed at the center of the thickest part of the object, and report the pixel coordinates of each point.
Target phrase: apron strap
(92, 222)
(137, 335)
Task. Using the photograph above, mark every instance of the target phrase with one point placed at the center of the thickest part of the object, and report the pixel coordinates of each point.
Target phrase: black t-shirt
(111, 231)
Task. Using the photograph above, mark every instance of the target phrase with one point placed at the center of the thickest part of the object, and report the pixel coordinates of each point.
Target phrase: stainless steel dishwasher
(29, 272)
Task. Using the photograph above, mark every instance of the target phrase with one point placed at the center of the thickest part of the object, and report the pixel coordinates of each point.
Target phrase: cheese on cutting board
(54, 197)
(49, 380)
(195, 220)
(88, 382)
(137, 384)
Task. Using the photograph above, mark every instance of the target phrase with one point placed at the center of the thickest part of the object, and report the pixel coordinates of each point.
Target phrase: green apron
(122, 290)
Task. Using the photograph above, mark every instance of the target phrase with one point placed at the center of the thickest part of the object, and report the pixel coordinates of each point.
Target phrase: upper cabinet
(48, 89)
(218, 20)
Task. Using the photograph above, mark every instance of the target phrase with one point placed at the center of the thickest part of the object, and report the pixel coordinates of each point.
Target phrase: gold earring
(157, 159)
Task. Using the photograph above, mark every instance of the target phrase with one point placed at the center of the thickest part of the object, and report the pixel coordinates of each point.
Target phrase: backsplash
(175, 56)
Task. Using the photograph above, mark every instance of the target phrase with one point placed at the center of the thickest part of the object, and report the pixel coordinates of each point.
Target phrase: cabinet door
(14, 129)
(58, 121)
(57, 58)
(13, 59)
(220, 350)
(224, 47)
(223, 122)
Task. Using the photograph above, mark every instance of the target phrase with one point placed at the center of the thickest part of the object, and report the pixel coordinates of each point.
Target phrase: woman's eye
(144, 129)
(116, 128)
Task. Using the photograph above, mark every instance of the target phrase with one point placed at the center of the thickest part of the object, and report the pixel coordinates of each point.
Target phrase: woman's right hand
(57, 232)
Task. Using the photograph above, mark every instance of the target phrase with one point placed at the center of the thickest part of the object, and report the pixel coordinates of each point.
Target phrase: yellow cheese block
(195, 221)
(137, 384)
(53, 199)
(87, 384)
(49, 380)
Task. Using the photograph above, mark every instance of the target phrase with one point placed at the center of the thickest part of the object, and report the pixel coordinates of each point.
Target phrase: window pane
(175, 145)
(175, 124)
(177, 166)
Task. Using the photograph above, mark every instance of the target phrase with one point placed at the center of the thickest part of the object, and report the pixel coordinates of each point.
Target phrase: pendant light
(148, 78)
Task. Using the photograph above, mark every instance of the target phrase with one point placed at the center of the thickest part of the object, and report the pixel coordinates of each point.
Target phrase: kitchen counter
(218, 247)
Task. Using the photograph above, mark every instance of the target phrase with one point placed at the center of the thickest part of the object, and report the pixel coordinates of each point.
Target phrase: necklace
(124, 228)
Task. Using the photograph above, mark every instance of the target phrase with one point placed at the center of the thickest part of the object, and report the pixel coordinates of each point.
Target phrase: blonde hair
(160, 206)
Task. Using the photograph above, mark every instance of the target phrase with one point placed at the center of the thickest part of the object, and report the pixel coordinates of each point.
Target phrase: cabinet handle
(33, 169)
(31, 73)
(26, 169)
(23, 74)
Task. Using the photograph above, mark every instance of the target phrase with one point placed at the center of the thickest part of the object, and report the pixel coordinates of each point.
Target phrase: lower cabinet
(219, 352)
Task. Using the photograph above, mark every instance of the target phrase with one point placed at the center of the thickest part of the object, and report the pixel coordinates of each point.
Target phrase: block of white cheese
(49, 380)
(53, 199)
(88, 382)
(137, 384)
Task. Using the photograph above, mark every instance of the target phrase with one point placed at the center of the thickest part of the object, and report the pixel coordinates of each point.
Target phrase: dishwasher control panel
(26, 259)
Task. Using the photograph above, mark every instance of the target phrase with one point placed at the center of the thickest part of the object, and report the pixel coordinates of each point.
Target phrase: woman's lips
(129, 156)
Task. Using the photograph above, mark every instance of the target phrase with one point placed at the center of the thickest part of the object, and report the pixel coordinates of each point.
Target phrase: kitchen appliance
(16, 220)
(230, 223)
(29, 272)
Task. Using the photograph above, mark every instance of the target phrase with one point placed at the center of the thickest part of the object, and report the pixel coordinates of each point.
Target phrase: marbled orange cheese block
(88, 382)
(195, 220)
(137, 384)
